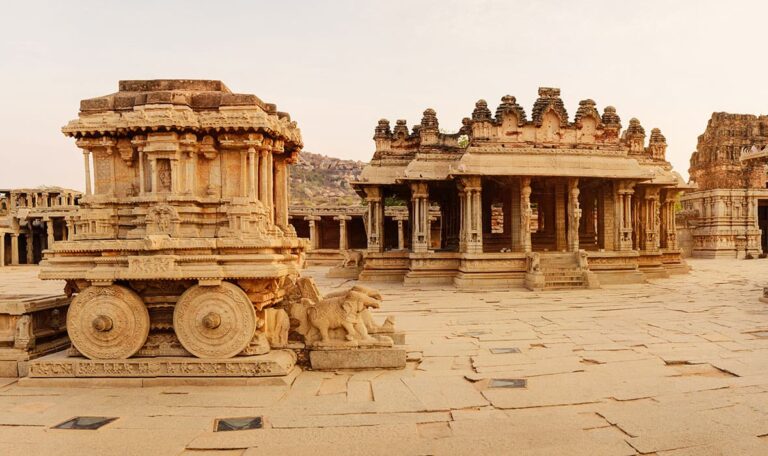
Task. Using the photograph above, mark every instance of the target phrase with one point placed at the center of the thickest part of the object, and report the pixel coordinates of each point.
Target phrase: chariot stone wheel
(107, 322)
(214, 322)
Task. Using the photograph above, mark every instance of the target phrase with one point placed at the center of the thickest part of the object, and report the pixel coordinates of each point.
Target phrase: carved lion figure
(352, 258)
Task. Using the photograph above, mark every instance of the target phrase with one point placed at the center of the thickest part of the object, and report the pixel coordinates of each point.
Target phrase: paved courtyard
(675, 367)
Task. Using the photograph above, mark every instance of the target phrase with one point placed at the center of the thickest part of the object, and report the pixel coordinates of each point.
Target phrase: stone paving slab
(673, 367)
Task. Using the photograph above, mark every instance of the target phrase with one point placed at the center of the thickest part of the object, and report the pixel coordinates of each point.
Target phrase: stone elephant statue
(341, 317)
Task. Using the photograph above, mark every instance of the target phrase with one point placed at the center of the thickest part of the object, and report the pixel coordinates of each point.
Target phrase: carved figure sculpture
(278, 325)
(340, 318)
(583, 262)
(352, 258)
(533, 260)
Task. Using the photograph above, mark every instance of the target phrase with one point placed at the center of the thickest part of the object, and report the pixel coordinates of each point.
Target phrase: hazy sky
(338, 67)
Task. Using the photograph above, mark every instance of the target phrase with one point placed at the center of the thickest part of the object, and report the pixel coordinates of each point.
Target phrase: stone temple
(602, 199)
(727, 214)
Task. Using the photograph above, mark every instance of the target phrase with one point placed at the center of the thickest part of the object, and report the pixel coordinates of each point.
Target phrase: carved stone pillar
(281, 193)
(87, 163)
(70, 229)
(430, 219)
(252, 173)
(463, 222)
(420, 217)
(243, 173)
(561, 238)
(191, 172)
(271, 185)
(625, 236)
(343, 244)
(477, 211)
(30, 247)
(2, 248)
(671, 224)
(649, 220)
(49, 231)
(142, 183)
(400, 233)
(263, 182)
(574, 215)
(470, 193)
(313, 240)
(375, 219)
(153, 175)
(15, 249)
(175, 181)
(664, 232)
(526, 214)
(605, 216)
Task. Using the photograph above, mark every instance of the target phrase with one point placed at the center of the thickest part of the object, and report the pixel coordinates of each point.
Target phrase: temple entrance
(762, 222)
(356, 237)
(328, 233)
(301, 226)
(543, 204)
(444, 234)
(497, 214)
(397, 205)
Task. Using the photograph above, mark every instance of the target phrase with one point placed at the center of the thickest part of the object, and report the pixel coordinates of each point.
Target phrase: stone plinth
(58, 365)
(30, 326)
(360, 358)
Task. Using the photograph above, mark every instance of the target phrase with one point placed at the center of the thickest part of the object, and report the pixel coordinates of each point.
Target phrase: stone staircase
(561, 271)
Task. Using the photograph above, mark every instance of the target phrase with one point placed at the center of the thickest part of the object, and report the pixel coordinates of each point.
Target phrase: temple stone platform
(32, 319)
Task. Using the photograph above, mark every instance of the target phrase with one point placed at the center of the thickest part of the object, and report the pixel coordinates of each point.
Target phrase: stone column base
(535, 281)
(590, 280)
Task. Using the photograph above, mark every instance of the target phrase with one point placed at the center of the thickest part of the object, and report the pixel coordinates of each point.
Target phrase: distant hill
(318, 180)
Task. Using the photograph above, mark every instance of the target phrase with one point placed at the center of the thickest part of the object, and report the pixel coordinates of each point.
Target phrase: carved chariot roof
(180, 105)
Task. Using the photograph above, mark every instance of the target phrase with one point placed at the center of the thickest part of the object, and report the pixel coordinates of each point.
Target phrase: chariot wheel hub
(107, 322)
(214, 322)
(102, 323)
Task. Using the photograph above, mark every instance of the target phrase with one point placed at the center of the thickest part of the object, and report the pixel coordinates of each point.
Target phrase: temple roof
(512, 144)
(180, 104)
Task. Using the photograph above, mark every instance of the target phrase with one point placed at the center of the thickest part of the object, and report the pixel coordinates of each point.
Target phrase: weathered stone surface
(363, 358)
(675, 366)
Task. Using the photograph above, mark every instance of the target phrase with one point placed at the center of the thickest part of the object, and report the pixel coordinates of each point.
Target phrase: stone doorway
(762, 222)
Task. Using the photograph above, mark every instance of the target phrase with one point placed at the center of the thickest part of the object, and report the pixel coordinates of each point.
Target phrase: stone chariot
(181, 245)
